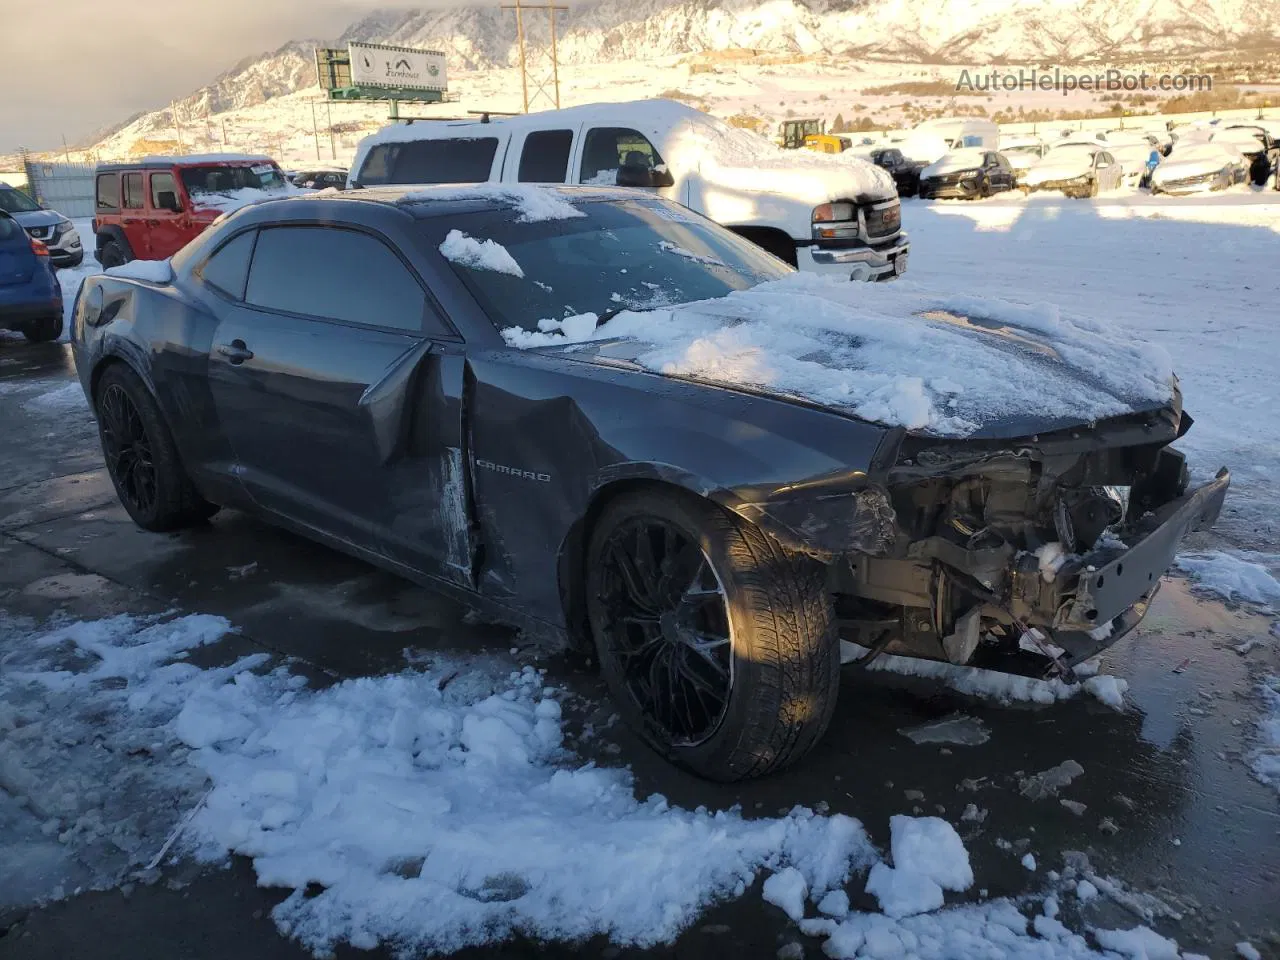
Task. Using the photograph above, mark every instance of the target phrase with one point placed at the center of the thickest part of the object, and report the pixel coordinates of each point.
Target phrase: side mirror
(645, 177)
(168, 200)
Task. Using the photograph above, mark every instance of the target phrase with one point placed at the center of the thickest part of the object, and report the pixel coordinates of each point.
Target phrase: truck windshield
(227, 179)
(622, 255)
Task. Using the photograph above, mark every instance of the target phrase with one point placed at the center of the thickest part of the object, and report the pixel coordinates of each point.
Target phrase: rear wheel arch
(775, 241)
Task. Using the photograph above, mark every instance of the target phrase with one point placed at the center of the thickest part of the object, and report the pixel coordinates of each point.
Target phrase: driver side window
(607, 149)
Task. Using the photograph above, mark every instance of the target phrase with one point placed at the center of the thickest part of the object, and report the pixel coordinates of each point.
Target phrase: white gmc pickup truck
(832, 214)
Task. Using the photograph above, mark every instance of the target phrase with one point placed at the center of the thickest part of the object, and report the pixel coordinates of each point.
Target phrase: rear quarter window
(459, 160)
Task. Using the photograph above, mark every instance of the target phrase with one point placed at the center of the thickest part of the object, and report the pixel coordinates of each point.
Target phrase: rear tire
(141, 457)
(770, 626)
(112, 255)
(44, 330)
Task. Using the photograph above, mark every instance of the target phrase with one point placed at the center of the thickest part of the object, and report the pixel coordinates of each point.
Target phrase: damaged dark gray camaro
(389, 373)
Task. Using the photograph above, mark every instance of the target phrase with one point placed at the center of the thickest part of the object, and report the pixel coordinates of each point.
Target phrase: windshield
(1031, 148)
(227, 179)
(15, 201)
(1080, 150)
(623, 255)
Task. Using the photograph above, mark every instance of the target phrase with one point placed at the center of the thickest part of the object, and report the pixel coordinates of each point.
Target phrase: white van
(835, 214)
(961, 133)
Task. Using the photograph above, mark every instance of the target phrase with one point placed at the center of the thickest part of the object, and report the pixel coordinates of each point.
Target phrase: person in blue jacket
(1153, 161)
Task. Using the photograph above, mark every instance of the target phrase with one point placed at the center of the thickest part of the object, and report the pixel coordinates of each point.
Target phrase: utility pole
(328, 107)
(66, 153)
(224, 131)
(546, 84)
(177, 125)
(315, 130)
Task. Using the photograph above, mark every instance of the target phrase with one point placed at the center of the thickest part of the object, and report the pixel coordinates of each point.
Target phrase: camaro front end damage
(976, 550)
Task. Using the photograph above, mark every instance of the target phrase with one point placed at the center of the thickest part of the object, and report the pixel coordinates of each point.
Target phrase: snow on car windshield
(230, 179)
(618, 255)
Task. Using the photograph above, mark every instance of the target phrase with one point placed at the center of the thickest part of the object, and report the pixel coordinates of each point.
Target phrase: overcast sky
(72, 66)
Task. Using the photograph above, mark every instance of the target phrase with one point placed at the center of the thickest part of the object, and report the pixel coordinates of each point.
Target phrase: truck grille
(41, 233)
(884, 221)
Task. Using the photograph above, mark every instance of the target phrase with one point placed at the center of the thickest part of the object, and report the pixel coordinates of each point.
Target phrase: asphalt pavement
(1165, 802)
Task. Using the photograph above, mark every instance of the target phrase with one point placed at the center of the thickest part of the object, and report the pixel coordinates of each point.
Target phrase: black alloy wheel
(667, 623)
(127, 449)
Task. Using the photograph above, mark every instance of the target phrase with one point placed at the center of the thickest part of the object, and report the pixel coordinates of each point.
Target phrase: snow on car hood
(740, 160)
(1196, 160)
(954, 163)
(949, 366)
(1063, 163)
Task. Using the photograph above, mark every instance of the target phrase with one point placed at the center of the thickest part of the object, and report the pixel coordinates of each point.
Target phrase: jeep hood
(939, 365)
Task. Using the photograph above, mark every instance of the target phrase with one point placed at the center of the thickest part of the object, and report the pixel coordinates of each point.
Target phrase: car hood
(1022, 161)
(1058, 168)
(939, 365)
(38, 218)
(1171, 169)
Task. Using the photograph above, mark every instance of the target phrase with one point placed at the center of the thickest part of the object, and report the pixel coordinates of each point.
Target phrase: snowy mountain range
(910, 31)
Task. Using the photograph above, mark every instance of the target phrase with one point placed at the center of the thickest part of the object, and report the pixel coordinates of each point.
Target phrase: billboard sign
(403, 68)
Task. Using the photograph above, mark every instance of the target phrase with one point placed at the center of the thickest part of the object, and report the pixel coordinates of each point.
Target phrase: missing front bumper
(1106, 589)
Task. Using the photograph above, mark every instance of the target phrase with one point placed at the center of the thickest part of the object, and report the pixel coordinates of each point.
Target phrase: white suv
(833, 214)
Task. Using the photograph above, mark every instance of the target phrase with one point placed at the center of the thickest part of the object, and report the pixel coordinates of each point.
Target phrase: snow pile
(152, 271)
(928, 857)
(552, 331)
(479, 254)
(438, 819)
(1239, 576)
(738, 159)
(1140, 943)
(994, 685)
(898, 357)
(91, 782)
(536, 204)
(1265, 761)
(427, 818)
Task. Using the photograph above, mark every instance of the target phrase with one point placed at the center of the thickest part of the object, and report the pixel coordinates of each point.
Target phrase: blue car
(30, 295)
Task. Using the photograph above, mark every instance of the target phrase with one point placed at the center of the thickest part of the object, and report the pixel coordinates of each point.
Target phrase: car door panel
(304, 446)
(350, 426)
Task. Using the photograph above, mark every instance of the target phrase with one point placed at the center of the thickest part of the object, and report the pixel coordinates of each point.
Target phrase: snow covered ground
(437, 808)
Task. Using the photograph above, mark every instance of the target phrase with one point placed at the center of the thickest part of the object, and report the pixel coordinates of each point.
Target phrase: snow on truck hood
(949, 366)
(741, 160)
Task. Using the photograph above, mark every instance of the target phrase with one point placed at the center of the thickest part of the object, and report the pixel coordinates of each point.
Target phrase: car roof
(661, 112)
(441, 200)
(203, 159)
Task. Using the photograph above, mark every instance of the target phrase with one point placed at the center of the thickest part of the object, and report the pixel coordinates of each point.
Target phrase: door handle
(235, 351)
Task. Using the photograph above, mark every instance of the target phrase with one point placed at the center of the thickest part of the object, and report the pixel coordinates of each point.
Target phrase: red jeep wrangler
(151, 208)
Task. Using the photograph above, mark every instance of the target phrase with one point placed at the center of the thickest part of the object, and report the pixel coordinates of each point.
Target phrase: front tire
(44, 330)
(718, 645)
(142, 459)
(112, 255)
